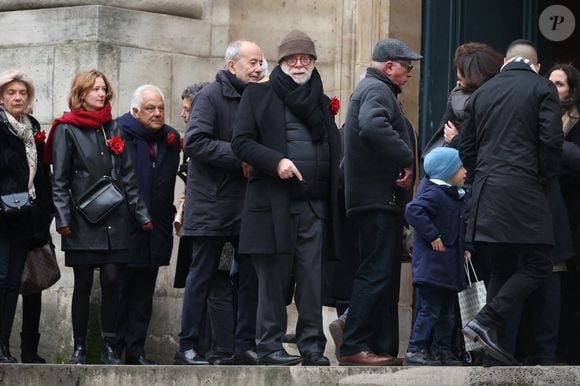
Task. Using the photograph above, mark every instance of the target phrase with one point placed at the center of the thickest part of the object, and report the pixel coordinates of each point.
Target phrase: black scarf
(236, 83)
(304, 101)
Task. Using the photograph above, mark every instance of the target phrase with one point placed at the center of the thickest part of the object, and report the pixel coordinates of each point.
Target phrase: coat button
(102, 153)
(109, 227)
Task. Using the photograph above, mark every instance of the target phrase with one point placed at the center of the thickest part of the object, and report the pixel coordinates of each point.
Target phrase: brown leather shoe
(367, 358)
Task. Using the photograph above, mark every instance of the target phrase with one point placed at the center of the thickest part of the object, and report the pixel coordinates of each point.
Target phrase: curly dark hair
(476, 63)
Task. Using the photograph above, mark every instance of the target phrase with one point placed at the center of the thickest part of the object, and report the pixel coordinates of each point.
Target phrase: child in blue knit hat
(437, 215)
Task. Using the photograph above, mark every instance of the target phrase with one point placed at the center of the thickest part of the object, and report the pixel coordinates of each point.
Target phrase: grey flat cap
(392, 49)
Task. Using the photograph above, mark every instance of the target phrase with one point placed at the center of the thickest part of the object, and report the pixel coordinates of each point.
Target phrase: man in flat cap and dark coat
(379, 173)
(284, 129)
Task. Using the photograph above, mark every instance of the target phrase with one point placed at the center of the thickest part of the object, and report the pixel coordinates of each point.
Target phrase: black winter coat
(14, 174)
(377, 147)
(215, 182)
(511, 145)
(153, 249)
(81, 157)
(570, 181)
(260, 140)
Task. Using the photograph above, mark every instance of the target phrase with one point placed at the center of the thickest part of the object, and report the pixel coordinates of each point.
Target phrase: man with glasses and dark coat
(378, 172)
(284, 129)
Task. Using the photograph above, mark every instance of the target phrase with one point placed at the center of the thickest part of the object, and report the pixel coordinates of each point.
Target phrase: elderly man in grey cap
(379, 173)
(285, 130)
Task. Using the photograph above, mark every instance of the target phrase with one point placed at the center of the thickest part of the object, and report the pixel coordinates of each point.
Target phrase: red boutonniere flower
(39, 137)
(334, 105)
(170, 138)
(116, 145)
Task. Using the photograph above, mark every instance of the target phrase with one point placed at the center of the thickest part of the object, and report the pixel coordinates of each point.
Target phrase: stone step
(100, 375)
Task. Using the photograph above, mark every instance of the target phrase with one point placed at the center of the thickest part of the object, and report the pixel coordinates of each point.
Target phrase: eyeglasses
(408, 66)
(304, 59)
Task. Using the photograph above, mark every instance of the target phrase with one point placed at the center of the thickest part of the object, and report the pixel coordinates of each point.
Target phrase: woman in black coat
(566, 78)
(86, 144)
(21, 170)
(474, 64)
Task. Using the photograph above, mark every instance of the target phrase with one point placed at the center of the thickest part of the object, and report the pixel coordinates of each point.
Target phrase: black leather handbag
(15, 203)
(100, 200)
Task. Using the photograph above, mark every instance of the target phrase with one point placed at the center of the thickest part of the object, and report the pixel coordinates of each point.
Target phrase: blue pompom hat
(442, 163)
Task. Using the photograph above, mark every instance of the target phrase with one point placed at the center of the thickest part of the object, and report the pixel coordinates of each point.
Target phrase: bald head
(523, 48)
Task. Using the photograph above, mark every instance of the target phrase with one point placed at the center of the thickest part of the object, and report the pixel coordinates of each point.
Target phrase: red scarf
(83, 119)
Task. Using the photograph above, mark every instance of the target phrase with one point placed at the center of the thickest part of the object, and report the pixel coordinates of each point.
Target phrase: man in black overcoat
(284, 129)
(216, 185)
(511, 146)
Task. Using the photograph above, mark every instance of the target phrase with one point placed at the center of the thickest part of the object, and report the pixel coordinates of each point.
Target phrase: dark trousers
(510, 282)
(12, 256)
(136, 308)
(206, 252)
(540, 322)
(435, 320)
(221, 314)
(372, 321)
(275, 271)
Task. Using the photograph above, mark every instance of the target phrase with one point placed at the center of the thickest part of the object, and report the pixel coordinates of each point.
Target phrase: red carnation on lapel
(39, 137)
(116, 145)
(170, 138)
(334, 105)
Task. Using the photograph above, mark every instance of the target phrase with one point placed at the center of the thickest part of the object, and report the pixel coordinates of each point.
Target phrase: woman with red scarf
(84, 145)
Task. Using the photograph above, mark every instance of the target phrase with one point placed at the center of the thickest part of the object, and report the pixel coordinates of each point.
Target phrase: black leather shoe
(139, 360)
(420, 358)
(488, 339)
(221, 359)
(315, 359)
(189, 357)
(280, 358)
(447, 359)
(109, 355)
(79, 355)
(247, 358)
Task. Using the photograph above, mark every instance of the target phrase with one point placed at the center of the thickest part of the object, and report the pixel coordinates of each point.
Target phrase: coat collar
(518, 63)
(228, 90)
(374, 73)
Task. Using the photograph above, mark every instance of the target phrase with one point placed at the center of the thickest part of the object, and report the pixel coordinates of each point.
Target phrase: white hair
(233, 52)
(138, 95)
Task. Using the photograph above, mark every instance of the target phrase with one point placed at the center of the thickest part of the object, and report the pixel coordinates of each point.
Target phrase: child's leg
(443, 329)
(426, 319)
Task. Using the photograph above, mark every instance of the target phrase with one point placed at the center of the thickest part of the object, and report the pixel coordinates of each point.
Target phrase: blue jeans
(435, 319)
(12, 256)
(372, 321)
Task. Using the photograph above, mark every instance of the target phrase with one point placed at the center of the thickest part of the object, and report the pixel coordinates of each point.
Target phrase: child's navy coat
(438, 211)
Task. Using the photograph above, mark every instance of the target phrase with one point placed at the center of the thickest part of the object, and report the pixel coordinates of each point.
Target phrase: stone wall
(175, 43)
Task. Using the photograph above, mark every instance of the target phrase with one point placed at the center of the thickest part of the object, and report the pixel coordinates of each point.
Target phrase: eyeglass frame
(408, 66)
(300, 58)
